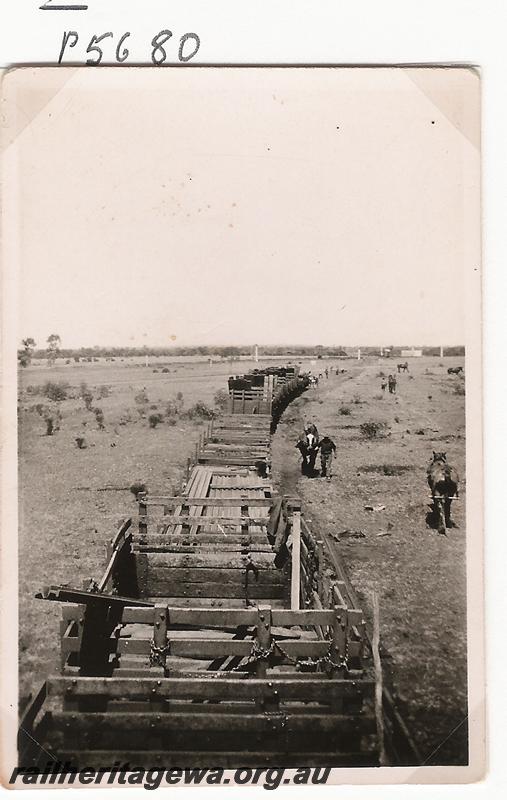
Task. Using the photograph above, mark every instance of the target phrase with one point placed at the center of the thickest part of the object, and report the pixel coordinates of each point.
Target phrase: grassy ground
(66, 517)
(418, 574)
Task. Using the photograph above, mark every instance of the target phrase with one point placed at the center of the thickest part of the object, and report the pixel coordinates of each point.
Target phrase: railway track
(223, 633)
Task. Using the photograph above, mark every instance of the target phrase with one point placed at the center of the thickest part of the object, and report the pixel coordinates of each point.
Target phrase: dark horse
(454, 370)
(308, 446)
(443, 481)
(403, 367)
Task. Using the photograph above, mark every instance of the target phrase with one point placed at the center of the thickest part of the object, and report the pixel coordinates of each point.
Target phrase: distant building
(411, 353)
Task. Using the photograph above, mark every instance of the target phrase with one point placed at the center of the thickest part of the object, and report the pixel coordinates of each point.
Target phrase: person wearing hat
(327, 451)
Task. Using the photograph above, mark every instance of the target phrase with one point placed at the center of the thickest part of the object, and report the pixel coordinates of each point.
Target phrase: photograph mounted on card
(244, 316)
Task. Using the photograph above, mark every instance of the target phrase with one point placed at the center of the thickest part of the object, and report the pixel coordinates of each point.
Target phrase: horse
(454, 370)
(403, 367)
(308, 447)
(443, 481)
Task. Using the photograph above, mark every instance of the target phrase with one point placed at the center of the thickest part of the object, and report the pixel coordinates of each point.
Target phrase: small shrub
(373, 430)
(166, 370)
(221, 399)
(172, 408)
(125, 418)
(141, 398)
(103, 391)
(344, 411)
(99, 416)
(49, 426)
(81, 442)
(88, 400)
(199, 411)
(58, 415)
(154, 370)
(459, 389)
(76, 359)
(381, 374)
(33, 390)
(378, 396)
(171, 421)
(396, 419)
(357, 400)
(154, 420)
(55, 391)
(153, 407)
(389, 470)
(86, 395)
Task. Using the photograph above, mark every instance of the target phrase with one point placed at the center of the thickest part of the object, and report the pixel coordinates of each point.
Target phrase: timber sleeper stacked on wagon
(216, 636)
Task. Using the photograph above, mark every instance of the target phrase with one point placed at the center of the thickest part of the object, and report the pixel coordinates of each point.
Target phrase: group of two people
(309, 445)
(391, 382)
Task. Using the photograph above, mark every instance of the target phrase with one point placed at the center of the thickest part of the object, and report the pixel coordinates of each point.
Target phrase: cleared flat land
(71, 500)
(419, 575)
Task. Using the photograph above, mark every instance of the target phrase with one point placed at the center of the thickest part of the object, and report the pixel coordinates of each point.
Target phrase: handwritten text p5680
(115, 48)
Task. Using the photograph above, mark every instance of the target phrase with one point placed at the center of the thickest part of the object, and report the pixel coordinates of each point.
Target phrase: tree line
(54, 350)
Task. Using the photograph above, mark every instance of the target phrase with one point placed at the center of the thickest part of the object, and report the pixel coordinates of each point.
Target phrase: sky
(238, 206)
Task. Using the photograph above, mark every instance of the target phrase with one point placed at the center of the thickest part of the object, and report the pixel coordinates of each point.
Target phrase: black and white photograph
(249, 481)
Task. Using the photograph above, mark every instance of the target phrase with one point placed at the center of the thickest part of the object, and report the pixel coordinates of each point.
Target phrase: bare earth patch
(418, 574)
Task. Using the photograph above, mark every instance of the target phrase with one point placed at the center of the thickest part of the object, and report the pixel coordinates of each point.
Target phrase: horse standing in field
(443, 481)
(454, 370)
(308, 446)
(403, 367)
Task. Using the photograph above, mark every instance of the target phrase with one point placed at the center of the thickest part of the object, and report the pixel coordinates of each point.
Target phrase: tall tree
(54, 341)
(25, 355)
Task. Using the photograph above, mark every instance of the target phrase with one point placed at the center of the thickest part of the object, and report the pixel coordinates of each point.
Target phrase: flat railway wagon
(221, 634)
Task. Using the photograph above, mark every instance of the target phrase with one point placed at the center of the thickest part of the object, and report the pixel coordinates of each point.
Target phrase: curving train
(223, 632)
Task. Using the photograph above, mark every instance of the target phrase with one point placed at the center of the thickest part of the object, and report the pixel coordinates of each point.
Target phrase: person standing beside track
(327, 451)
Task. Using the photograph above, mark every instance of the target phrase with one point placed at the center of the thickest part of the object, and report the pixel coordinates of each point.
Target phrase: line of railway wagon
(222, 632)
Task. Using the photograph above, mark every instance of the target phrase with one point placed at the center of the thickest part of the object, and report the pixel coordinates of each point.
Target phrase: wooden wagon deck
(217, 635)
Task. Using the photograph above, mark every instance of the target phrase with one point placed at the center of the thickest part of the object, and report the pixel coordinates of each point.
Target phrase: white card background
(358, 31)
